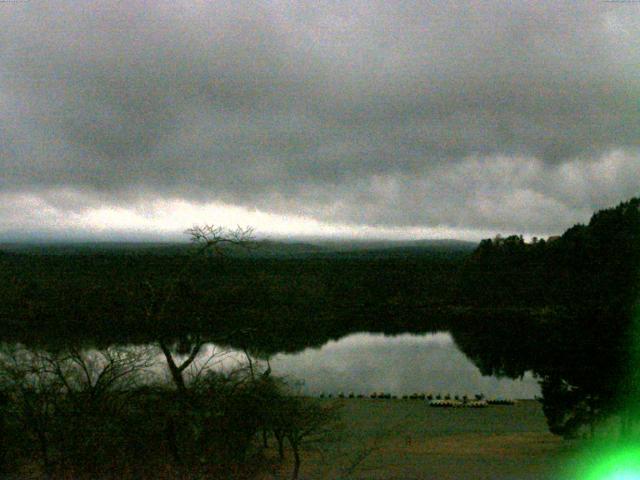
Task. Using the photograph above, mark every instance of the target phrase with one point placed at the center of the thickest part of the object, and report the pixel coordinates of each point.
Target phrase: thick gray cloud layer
(483, 114)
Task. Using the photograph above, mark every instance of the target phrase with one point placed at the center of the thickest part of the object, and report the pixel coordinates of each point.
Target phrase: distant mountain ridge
(260, 248)
(352, 245)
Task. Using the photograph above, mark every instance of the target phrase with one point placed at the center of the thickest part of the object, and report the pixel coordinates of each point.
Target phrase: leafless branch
(212, 237)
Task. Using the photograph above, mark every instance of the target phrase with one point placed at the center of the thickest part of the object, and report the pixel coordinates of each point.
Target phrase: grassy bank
(385, 439)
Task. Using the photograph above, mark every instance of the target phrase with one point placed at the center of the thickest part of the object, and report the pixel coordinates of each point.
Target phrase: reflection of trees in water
(498, 342)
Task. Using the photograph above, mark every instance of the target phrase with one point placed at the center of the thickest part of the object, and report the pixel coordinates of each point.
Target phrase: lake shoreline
(404, 439)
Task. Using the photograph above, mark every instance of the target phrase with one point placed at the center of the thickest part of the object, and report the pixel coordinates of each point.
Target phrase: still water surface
(362, 363)
(402, 364)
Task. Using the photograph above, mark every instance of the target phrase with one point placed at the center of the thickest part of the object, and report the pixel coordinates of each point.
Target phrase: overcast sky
(342, 118)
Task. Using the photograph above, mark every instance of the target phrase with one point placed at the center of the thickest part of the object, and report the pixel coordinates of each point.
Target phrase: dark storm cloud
(474, 115)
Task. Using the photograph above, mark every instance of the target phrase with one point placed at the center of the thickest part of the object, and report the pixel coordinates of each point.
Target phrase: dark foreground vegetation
(102, 414)
(564, 308)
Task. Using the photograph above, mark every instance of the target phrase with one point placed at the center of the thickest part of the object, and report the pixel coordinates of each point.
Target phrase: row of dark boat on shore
(442, 401)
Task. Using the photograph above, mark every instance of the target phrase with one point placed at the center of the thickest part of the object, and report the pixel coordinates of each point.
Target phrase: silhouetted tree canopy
(572, 320)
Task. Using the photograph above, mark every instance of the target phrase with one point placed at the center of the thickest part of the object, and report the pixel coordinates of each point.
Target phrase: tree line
(567, 309)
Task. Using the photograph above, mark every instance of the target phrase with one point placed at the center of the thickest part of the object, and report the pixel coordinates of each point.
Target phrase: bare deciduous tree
(57, 397)
(207, 238)
(302, 422)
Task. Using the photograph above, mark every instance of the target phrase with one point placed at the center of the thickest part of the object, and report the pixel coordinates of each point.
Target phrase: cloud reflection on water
(403, 364)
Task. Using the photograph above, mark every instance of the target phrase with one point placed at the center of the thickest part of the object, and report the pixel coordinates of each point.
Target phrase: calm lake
(363, 363)
(402, 364)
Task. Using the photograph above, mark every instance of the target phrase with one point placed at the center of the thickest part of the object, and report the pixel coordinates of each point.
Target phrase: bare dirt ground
(404, 439)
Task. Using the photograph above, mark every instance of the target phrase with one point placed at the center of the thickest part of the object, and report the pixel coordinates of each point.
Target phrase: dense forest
(289, 302)
(573, 317)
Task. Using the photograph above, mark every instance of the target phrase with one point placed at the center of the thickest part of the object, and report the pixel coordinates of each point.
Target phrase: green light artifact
(622, 463)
